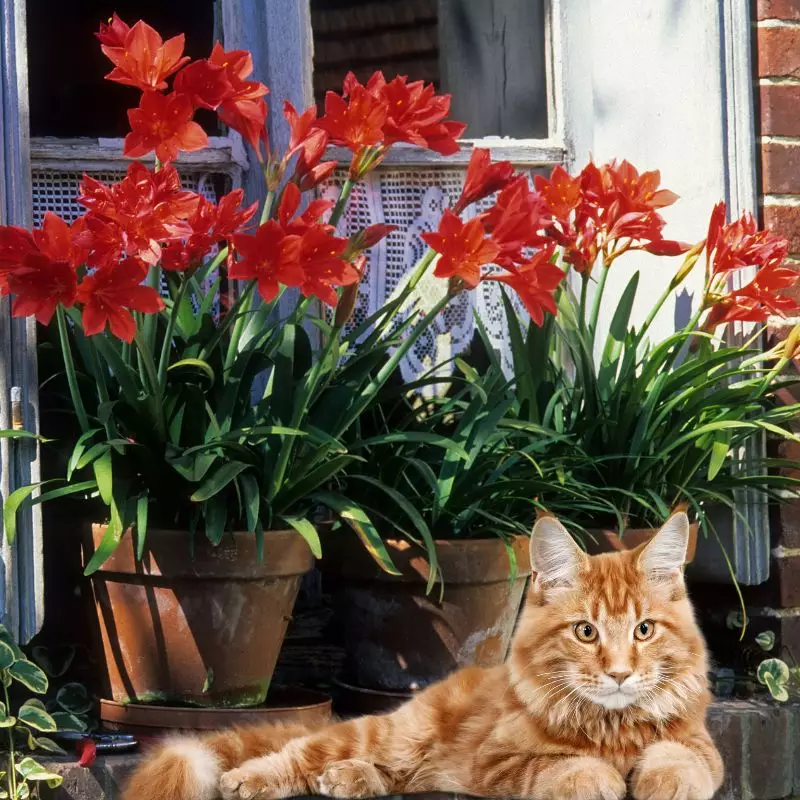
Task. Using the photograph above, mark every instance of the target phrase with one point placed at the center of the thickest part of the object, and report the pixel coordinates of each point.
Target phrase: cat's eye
(644, 630)
(585, 632)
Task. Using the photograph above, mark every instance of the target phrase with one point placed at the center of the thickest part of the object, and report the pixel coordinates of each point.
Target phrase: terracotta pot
(602, 541)
(284, 706)
(398, 638)
(203, 629)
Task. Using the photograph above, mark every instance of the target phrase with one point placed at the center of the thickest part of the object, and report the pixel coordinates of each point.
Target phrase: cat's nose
(620, 676)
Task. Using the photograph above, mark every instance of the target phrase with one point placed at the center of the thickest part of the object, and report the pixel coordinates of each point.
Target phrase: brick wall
(776, 605)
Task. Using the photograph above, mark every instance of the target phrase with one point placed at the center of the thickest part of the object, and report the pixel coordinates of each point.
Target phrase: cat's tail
(189, 767)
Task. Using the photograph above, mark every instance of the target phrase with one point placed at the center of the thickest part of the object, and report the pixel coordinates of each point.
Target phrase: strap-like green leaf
(308, 531)
(218, 480)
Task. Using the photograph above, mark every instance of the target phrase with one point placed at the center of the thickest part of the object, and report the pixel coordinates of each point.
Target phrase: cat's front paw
(352, 778)
(582, 778)
(670, 770)
(252, 781)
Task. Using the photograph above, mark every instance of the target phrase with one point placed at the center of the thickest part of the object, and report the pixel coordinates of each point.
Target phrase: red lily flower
(757, 300)
(290, 203)
(320, 258)
(244, 109)
(463, 248)
(15, 245)
(163, 123)
(113, 32)
(369, 237)
(483, 178)
(268, 256)
(143, 59)
(516, 221)
(535, 281)
(110, 294)
(309, 143)
(740, 243)
(416, 114)
(47, 276)
(561, 192)
(210, 224)
(356, 122)
(206, 84)
(135, 215)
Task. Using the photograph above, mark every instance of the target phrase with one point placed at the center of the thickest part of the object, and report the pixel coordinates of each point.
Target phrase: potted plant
(213, 429)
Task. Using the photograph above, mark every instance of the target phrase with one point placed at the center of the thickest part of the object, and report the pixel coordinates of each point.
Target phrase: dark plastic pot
(203, 629)
(397, 638)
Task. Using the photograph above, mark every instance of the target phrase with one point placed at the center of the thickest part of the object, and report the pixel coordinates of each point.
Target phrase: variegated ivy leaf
(766, 640)
(34, 715)
(33, 771)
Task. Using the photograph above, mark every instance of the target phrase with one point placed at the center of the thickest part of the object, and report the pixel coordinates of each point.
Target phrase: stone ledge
(759, 741)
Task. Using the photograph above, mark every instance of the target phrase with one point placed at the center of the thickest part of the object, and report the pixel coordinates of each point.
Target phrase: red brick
(778, 9)
(785, 220)
(780, 167)
(780, 109)
(779, 52)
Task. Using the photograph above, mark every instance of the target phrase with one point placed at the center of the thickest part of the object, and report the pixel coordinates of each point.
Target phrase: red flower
(114, 32)
(483, 178)
(416, 114)
(135, 215)
(47, 276)
(309, 143)
(15, 245)
(562, 193)
(270, 257)
(516, 221)
(535, 281)
(356, 122)
(244, 108)
(463, 248)
(370, 236)
(110, 294)
(740, 244)
(142, 59)
(163, 123)
(206, 84)
(210, 224)
(86, 750)
(758, 299)
(320, 258)
(290, 203)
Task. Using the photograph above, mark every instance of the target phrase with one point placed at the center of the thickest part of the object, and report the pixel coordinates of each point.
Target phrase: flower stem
(241, 309)
(148, 365)
(601, 287)
(163, 361)
(654, 311)
(266, 212)
(341, 203)
(584, 292)
(69, 366)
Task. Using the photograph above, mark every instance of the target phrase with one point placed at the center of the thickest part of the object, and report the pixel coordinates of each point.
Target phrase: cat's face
(614, 631)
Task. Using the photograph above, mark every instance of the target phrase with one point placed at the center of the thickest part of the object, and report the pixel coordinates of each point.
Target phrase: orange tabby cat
(604, 692)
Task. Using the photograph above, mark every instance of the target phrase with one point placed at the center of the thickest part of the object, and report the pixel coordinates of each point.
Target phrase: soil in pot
(397, 638)
(203, 628)
(283, 706)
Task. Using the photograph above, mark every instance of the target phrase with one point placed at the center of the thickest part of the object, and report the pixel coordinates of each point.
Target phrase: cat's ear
(663, 557)
(555, 557)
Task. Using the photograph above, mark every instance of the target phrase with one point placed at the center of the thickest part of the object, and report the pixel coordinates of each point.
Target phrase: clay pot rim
(234, 558)
(154, 716)
(459, 559)
(616, 543)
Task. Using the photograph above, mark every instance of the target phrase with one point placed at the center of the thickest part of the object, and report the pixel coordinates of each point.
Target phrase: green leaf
(33, 771)
(6, 721)
(719, 452)
(404, 437)
(74, 698)
(7, 656)
(34, 715)
(215, 512)
(766, 640)
(21, 434)
(28, 674)
(45, 743)
(218, 480)
(357, 519)
(252, 499)
(55, 661)
(13, 503)
(111, 538)
(776, 689)
(197, 365)
(105, 478)
(78, 450)
(142, 506)
(774, 669)
(69, 722)
(308, 531)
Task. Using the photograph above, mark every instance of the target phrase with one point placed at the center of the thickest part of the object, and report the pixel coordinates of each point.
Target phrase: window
(489, 54)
